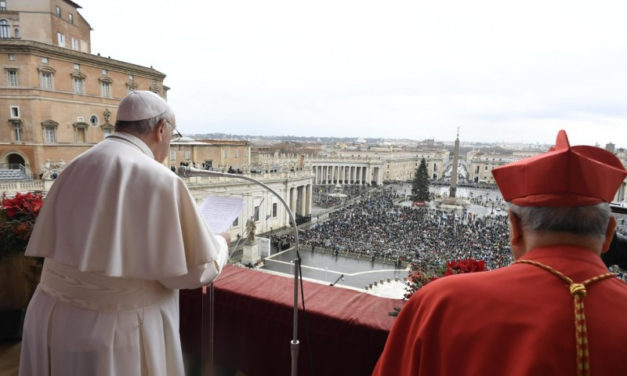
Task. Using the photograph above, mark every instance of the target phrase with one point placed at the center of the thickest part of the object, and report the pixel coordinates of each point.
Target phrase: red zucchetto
(564, 176)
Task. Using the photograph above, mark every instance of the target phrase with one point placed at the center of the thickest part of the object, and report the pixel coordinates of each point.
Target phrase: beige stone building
(217, 154)
(56, 98)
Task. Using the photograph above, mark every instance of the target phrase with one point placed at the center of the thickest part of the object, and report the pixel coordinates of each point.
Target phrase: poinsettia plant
(418, 276)
(17, 217)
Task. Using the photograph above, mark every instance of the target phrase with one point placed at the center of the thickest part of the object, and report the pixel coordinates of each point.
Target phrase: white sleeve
(201, 274)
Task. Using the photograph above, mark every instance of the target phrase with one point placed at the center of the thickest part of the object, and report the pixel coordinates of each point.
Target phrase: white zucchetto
(141, 105)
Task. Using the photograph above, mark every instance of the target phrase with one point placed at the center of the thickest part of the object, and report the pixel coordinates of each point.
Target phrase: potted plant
(19, 274)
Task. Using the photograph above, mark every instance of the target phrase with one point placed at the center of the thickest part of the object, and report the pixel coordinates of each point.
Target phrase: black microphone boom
(294, 343)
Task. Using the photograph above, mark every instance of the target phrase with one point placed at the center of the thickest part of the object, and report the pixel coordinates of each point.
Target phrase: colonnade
(299, 199)
(346, 174)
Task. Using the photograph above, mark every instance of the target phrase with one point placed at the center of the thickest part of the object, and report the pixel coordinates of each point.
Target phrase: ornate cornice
(33, 47)
(49, 124)
(16, 122)
(80, 125)
(46, 69)
(105, 78)
(78, 74)
(131, 85)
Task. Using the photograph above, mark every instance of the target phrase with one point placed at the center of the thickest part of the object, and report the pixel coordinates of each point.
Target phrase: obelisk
(453, 188)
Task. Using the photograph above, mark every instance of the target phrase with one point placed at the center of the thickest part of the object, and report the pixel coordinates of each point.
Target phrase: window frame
(12, 77)
(78, 85)
(60, 39)
(14, 111)
(105, 89)
(5, 29)
(50, 136)
(46, 80)
(17, 133)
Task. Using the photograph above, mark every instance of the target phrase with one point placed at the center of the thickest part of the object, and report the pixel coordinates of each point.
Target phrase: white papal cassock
(120, 233)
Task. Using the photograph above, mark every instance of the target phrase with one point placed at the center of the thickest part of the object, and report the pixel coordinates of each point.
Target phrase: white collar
(133, 140)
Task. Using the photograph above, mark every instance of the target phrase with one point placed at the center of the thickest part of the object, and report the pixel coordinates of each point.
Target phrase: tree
(420, 184)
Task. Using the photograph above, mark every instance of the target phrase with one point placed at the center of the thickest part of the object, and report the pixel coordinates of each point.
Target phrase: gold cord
(578, 291)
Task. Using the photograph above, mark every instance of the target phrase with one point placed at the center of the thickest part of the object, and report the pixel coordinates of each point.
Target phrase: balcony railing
(343, 333)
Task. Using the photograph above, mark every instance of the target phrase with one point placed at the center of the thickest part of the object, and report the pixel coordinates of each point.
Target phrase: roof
(73, 4)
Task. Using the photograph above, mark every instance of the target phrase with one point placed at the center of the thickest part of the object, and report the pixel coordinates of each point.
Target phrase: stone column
(293, 200)
(308, 199)
(303, 200)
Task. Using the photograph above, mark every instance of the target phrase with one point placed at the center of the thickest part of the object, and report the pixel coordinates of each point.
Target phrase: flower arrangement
(17, 217)
(418, 276)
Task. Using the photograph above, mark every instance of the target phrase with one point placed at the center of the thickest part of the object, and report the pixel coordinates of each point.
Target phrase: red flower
(17, 216)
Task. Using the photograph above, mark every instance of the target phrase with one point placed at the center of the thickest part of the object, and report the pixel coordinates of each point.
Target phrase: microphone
(340, 278)
(187, 171)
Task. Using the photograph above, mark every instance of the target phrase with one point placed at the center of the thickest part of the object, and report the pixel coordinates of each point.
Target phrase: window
(274, 209)
(131, 77)
(226, 154)
(256, 213)
(75, 44)
(77, 66)
(61, 39)
(11, 57)
(80, 135)
(78, 85)
(58, 11)
(106, 132)
(5, 31)
(17, 133)
(235, 153)
(70, 17)
(15, 112)
(105, 71)
(105, 89)
(44, 60)
(12, 77)
(49, 135)
(93, 120)
(188, 154)
(16, 32)
(3, 5)
(46, 80)
(172, 155)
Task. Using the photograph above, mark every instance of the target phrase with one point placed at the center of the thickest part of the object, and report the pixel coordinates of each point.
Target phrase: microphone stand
(294, 343)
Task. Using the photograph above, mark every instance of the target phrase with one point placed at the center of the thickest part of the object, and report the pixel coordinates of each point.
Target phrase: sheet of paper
(220, 212)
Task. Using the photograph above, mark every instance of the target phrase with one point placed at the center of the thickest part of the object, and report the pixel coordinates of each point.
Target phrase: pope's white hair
(582, 220)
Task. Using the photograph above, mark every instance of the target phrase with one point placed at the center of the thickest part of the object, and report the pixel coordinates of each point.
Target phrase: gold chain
(578, 291)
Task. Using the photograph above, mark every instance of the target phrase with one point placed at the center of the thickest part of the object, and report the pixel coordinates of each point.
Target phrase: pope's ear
(609, 234)
(515, 228)
(159, 130)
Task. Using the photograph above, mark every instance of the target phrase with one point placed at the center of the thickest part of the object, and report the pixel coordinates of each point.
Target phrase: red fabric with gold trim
(563, 176)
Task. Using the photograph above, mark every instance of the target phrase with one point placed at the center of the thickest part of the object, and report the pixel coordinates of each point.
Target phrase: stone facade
(219, 154)
(260, 206)
(56, 99)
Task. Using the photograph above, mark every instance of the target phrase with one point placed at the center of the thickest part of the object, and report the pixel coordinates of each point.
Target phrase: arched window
(5, 31)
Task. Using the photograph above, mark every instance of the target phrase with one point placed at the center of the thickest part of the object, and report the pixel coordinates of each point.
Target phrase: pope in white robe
(120, 234)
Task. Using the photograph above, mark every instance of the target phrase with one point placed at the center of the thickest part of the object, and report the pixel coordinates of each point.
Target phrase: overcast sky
(500, 70)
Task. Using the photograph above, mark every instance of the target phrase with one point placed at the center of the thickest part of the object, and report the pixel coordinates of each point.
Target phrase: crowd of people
(327, 196)
(376, 226)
